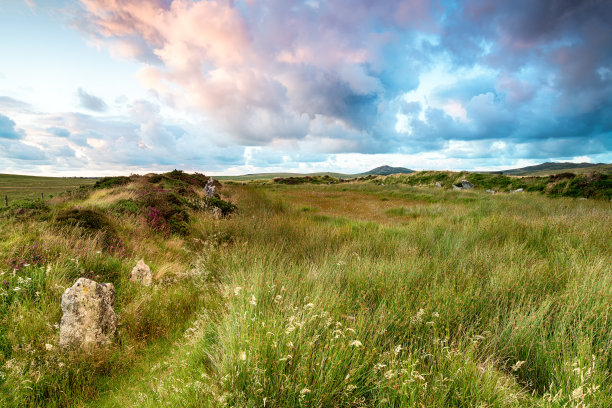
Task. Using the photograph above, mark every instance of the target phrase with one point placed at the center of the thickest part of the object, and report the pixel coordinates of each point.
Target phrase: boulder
(88, 319)
(142, 273)
(466, 184)
(491, 191)
(438, 185)
(209, 188)
(456, 188)
(518, 190)
(217, 213)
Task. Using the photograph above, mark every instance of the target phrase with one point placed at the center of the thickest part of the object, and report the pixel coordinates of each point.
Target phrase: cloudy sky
(102, 87)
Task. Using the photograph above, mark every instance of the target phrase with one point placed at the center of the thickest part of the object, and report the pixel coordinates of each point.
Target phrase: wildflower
(435, 314)
(304, 391)
(356, 343)
(242, 355)
(16, 288)
(278, 298)
(397, 349)
(48, 347)
(237, 290)
(253, 301)
(309, 306)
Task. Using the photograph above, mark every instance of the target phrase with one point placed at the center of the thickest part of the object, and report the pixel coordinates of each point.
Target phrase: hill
(387, 170)
(378, 171)
(550, 168)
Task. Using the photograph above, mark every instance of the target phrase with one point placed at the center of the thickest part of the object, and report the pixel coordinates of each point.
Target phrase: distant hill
(378, 171)
(387, 170)
(550, 168)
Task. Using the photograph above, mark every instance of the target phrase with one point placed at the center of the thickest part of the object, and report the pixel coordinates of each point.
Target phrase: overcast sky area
(103, 87)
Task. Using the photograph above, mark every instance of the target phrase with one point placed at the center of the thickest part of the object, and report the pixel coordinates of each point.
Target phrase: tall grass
(474, 300)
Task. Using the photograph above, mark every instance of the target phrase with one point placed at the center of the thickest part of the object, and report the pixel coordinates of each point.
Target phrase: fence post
(6, 200)
(42, 196)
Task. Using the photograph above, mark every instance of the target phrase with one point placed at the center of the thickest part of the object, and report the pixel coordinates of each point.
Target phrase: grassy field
(344, 295)
(17, 187)
(602, 168)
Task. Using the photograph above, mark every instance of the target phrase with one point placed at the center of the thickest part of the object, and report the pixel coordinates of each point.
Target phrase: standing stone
(438, 185)
(88, 316)
(217, 213)
(466, 184)
(209, 188)
(142, 273)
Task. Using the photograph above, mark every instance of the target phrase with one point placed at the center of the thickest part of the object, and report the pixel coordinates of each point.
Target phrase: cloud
(8, 129)
(91, 102)
(58, 132)
(6, 102)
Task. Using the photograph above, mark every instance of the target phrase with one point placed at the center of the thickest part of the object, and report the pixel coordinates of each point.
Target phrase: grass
(339, 295)
(17, 187)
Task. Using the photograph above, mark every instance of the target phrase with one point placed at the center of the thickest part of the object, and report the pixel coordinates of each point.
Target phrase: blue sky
(101, 87)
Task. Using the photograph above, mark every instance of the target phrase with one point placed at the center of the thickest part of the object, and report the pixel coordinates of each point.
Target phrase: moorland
(383, 291)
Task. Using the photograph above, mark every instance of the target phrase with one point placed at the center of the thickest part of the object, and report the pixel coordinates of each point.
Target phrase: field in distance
(17, 187)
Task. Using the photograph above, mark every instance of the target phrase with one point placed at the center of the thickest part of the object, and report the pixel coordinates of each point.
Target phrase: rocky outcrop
(88, 319)
(466, 184)
(209, 188)
(142, 273)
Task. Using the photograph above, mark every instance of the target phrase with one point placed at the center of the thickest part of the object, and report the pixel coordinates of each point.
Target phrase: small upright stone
(466, 184)
(209, 188)
(88, 319)
(438, 185)
(217, 213)
(142, 273)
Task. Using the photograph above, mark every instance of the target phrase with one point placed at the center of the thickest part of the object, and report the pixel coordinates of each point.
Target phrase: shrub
(108, 182)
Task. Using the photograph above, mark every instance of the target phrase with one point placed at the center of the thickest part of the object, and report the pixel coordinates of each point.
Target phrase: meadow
(314, 295)
(17, 187)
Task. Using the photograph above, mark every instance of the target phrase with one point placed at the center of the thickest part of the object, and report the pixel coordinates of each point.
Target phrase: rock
(457, 188)
(466, 184)
(209, 188)
(491, 191)
(582, 198)
(142, 273)
(438, 185)
(518, 190)
(217, 213)
(88, 316)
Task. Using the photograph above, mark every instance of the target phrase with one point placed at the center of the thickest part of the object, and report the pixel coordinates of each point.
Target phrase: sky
(107, 87)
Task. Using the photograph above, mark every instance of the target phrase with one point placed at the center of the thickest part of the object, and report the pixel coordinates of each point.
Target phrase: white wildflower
(242, 355)
(48, 347)
(237, 290)
(356, 343)
(304, 391)
(309, 306)
(253, 300)
(278, 298)
(16, 288)
(397, 349)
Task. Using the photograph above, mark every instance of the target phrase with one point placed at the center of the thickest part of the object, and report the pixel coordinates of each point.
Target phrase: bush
(108, 182)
